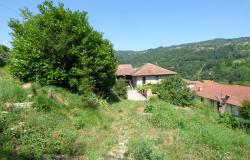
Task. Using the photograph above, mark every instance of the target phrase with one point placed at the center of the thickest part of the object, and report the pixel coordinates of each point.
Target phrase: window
(157, 78)
(143, 80)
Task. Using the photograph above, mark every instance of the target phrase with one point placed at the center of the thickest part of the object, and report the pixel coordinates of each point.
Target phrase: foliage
(4, 55)
(174, 90)
(198, 105)
(120, 88)
(58, 47)
(49, 129)
(245, 111)
(143, 149)
(226, 120)
(44, 103)
(144, 88)
(149, 105)
(224, 60)
(196, 129)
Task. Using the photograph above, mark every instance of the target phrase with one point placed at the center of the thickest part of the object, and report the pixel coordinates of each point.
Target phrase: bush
(4, 55)
(11, 92)
(174, 90)
(245, 111)
(90, 100)
(143, 149)
(198, 105)
(226, 120)
(120, 88)
(149, 106)
(44, 103)
(144, 88)
(58, 47)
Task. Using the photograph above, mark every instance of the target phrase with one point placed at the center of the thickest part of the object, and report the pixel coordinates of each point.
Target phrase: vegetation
(197, 134)
(58, 47)
(4, 55)
(120, 88)
(223, 60)
(143, 149)
(245, 111)
(52, 126)
(174, 90)
(66, 125)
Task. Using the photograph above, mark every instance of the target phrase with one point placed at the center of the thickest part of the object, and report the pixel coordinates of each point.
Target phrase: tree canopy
(174, 90)
(58, 46)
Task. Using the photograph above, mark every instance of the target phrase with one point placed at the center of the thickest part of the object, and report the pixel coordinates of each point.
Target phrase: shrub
(143, 149)
(198, 105)
(90, 100)
(245, 111)
(58, 47)
(120, 88)
(4, 55)
(174, 90)
(226, 120)
(35, 86)
(149, 106)
(144, 88)
(11, 92)
(44, 103)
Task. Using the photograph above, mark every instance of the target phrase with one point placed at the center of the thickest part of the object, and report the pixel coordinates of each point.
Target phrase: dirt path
(135, 95)
(123, 127)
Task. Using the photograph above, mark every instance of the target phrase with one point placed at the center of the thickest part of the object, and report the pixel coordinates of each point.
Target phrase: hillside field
(71, 126)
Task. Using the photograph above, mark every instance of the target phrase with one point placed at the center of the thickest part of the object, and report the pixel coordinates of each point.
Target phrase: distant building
(190, 83)
(146, 74)
(226, 98)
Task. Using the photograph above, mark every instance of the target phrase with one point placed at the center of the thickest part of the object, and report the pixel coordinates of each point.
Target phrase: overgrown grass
(197, 129)
(11, 92)
(88, 127)
(53, 126)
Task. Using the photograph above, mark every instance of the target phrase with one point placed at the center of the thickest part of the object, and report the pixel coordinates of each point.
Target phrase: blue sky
(144, 24)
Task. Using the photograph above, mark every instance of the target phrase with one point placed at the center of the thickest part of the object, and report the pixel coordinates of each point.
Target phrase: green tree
(58, 47)
(245, 111)
(4, 54)
(174, 90)
(120, 88)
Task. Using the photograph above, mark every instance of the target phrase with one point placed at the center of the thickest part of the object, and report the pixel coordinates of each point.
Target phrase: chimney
(200, 89)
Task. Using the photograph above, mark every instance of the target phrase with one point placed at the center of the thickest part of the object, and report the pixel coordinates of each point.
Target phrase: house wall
(233, 110)
(137, 81)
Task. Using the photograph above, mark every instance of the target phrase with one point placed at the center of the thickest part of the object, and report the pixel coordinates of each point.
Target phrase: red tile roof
(212, 90)
(151, 69)
(147, 69)
(124, 69)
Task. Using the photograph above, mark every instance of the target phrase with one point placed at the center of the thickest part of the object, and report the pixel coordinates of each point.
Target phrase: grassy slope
(73, 129)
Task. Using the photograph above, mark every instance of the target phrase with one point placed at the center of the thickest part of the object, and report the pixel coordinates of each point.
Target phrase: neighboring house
(146, 74)
(190, 83)
(226, 98)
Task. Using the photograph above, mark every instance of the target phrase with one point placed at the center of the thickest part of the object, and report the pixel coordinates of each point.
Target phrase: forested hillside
(224, 60)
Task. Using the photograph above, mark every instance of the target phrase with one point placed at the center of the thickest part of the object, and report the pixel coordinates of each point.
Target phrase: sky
(144, 24)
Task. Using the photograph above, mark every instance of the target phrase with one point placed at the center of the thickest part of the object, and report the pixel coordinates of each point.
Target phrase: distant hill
(224, 60)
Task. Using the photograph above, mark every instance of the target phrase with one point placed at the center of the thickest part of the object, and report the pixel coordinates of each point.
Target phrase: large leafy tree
(57, 46)
(174, 90)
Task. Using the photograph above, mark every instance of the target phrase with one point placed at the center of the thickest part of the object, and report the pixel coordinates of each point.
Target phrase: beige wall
(149, 80)
(234, 110)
